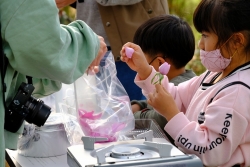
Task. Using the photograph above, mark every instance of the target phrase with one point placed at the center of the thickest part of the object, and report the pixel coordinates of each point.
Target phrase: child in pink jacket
(208, 115)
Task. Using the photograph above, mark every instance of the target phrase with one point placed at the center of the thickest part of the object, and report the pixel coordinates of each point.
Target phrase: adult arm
(37, 45)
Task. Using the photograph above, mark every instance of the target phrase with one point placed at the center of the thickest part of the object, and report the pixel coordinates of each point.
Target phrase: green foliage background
(182, 8)
(185, 9)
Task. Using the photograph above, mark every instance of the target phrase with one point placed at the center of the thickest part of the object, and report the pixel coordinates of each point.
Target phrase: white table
(16, 160)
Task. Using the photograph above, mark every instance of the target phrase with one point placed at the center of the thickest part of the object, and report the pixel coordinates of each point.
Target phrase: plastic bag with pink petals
(102, 104)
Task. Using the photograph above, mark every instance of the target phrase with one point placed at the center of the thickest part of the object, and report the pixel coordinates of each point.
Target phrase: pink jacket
(223, 139)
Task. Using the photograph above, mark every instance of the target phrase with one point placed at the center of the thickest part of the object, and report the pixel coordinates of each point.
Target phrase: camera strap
(29, 80)
(4, 63)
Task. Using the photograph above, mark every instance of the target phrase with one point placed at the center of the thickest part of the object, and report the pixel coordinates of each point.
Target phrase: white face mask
(213, 60)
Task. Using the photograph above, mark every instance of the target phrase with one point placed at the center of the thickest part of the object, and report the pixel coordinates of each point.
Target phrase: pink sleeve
(182, 93)
(218, 140)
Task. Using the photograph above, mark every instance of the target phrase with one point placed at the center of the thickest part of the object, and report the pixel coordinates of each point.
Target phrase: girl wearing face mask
(205, 117)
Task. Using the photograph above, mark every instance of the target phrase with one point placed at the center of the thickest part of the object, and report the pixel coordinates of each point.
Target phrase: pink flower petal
(164, 68)
(97, 128)
(89, 115)
(129, 52)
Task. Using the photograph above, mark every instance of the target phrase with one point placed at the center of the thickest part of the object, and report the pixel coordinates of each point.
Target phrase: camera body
(25, 107)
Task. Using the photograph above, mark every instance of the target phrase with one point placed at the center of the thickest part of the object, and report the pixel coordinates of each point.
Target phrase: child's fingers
(122, 52)
(132, 45)
(123, 55)
(150, 98)
(164, 89)
(160, 88)
(124, 59)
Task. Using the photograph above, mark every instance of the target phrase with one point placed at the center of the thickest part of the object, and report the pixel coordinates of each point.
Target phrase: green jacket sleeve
(45, 87)
(38, 46)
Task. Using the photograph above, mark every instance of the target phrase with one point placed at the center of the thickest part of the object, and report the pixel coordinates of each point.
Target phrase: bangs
(207, 15)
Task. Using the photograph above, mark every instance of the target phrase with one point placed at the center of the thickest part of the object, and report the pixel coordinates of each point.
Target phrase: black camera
(25, 107)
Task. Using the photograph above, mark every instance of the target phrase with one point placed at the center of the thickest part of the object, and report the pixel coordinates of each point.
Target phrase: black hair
(223, 17)
(169, 35)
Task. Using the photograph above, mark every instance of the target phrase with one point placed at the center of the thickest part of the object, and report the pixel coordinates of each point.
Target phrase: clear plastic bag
(68, 109)
(102, 104)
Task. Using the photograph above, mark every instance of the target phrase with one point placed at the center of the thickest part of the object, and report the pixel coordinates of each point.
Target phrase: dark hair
(168, 35)
(223, 17)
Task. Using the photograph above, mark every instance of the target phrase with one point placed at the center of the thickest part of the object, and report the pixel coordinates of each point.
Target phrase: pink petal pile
(92, 125)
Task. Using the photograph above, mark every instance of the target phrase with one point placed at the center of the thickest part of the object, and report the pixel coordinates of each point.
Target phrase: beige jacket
(121, 21)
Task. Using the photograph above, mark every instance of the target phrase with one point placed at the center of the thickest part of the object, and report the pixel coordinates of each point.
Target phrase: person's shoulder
(188, 74)
(240, 75)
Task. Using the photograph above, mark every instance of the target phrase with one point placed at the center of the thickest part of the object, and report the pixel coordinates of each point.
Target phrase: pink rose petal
(89, 115)
(129, 52)
(98, 128)
(164, 68)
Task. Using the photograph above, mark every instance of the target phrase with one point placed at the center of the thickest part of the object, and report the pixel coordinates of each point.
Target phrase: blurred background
(182, 8)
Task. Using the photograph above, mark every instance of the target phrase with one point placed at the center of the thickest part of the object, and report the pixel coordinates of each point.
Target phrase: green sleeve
(45, 87)
(37, 45)
(142, 103)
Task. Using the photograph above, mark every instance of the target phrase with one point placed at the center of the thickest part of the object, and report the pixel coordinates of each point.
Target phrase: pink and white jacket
(222, 138)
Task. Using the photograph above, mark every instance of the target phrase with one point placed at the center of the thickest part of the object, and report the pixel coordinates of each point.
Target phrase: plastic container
(46, 141)
(141, 126)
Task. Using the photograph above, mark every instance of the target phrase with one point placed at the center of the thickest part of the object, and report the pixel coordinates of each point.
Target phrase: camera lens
(38, 111)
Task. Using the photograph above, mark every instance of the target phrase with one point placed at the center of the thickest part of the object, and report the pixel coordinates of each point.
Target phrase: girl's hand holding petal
(129, 52)
(137, 60)
(134, 59)
(163, 102)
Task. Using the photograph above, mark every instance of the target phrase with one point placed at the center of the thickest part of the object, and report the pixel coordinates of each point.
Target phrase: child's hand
(137, 57)
(135, 108)
(138, 60)
(163, 102)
